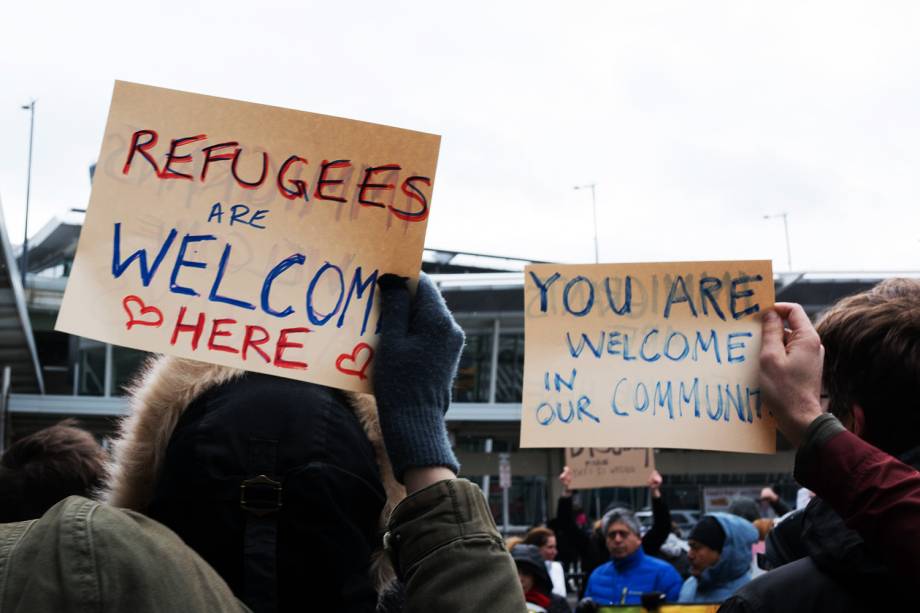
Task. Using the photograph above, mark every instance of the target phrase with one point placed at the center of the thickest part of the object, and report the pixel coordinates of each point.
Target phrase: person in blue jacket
(631, 572)
(720, 558)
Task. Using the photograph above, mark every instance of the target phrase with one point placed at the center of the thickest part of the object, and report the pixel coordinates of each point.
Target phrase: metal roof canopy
(17, 343)
(83, 406)
(55, 242)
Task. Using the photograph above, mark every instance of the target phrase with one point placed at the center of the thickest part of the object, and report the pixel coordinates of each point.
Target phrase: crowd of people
(323, 500)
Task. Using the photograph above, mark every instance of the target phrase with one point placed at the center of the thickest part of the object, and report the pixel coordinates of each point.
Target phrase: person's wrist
(418, 478)
(795, 427)
(416, 439)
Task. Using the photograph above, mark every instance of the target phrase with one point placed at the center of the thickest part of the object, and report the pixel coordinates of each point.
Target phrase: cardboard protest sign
(719, 498)
(646, 355)
(609, 467)
(247, 235)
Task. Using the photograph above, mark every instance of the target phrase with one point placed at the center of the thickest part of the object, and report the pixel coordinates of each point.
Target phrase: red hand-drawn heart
(352, 359)
(141, 318)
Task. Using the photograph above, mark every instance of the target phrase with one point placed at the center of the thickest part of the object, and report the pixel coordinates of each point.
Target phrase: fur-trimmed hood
(166, 387)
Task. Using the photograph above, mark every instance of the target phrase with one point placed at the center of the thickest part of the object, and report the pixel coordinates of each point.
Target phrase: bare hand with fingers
(791, 362)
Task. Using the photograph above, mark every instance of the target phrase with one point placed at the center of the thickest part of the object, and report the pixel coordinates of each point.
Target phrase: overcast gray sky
(695, 119)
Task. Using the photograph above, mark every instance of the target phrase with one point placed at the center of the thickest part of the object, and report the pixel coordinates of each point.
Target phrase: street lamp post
(591, 186)
(24, 261)
(785, 217)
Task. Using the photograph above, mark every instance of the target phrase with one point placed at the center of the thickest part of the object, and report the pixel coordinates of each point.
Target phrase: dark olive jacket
(449, 554)
(86, 556)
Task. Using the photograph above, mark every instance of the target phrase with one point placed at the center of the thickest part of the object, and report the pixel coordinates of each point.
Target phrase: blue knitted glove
(414, 368)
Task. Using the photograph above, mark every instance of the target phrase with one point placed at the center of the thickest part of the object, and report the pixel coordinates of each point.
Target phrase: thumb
(394, 307)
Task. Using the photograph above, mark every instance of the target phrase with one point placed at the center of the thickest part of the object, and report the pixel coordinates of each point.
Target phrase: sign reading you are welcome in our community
(247, 235)
(646, 355)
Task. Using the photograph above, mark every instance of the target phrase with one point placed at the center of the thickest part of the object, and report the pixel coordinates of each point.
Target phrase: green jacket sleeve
(86, 556)
(449, 554)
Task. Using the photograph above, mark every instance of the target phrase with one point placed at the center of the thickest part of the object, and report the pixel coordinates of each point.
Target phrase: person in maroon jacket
(862, 531)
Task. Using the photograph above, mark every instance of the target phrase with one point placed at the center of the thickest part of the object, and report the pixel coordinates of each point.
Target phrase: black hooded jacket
(838, 573)
(314, 522)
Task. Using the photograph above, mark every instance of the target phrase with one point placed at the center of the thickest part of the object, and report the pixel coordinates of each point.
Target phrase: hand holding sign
(654, 484)
(791, 364)
(417, 359)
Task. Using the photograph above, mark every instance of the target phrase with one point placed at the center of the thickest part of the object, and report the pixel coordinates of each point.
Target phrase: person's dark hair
(538, 536)
(43, 468)
(872, 357)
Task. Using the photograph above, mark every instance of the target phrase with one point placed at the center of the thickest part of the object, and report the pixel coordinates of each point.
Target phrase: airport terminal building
(52, 375)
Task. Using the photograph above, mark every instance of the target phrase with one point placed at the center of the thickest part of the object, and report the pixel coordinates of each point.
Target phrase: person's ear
(858, 417)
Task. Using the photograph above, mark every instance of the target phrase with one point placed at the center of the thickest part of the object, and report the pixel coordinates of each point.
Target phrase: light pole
(785, 217)
(591, 186)
(24, 261)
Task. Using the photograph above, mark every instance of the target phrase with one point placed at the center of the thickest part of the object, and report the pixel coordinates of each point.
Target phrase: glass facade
(90, 368)
(509, 378)
(125, 365)
(526, 501)
(482, 357)
(475, 371)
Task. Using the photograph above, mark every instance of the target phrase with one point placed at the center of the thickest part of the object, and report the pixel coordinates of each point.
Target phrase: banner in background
(609, 467)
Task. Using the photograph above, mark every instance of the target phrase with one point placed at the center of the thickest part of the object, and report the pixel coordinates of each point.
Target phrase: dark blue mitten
(414, 369)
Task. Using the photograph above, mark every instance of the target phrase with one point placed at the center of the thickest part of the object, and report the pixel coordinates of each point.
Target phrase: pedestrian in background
(544, 540)
(43, 468)
(535, 581)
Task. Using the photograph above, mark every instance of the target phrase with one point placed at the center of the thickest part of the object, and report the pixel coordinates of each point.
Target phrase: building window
(91, 368)
(475, 370)
(509, 379)
(526, 501)
(125, 366)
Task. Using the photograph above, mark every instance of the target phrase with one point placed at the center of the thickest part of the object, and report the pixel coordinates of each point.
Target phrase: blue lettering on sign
(732, 345)
(715, 415)
(737, 295)
(756, 394)
(708, 285)
(663, 398)
(627, 296)
(181, 261)
(360, 288)
(686, 395)
(321, 319)
(274, 273)
(544, 287)
(565, 411)
(683, 352)
(238, 215)
(589, 301)
(676, 346)
(221, 268)
(645, 399)
(545, 420)
(576, 351)
(675, 298)
(645, 340)
(701, 344)
(722, 401)
(613, 402)
(119, 267)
